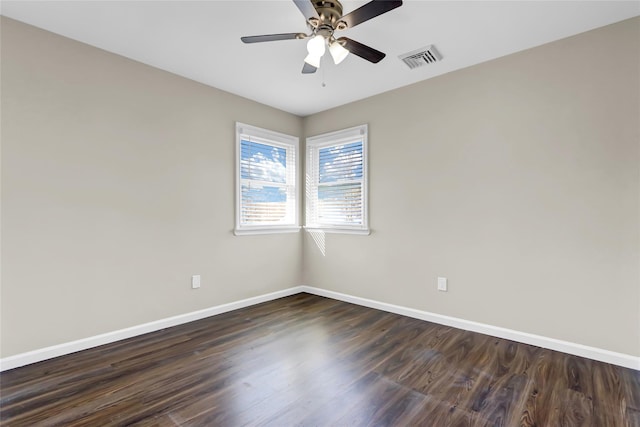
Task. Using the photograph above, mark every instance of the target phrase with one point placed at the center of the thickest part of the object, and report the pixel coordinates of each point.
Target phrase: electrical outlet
(442, 284)
(195, 281)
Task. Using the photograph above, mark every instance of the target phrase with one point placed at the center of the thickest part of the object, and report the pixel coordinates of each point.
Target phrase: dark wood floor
(307, 360)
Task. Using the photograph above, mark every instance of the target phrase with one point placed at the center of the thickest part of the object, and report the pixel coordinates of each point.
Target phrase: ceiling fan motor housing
(330, 13)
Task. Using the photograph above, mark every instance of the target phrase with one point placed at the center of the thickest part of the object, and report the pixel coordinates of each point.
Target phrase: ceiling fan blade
(361, 50)
(370, 10)
(307, 9)
(308, 69)
(272, 37)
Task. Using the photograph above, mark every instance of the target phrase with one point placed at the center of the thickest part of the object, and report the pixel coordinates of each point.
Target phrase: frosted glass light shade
(315, 46)
(313, 60)
(338, 52)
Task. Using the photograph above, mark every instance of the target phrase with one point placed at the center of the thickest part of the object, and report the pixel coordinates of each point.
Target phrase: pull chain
(323, 79)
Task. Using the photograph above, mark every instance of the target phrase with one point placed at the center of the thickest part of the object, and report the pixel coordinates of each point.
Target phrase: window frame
(315, 143)
(275, 139)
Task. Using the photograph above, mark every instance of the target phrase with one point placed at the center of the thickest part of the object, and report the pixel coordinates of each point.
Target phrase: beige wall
(117, 186)
(519, 180)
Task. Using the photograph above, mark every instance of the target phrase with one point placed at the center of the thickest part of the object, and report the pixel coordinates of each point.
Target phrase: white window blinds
(337, 180)
(267, 194)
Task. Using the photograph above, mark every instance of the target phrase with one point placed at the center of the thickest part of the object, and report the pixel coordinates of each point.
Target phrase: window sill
(270, 230)
(357, 231)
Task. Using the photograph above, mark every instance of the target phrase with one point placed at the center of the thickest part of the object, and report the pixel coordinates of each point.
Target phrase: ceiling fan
(324, 17)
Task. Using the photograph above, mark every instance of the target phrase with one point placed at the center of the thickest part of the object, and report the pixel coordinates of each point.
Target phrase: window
(337, 181)
(266, 190)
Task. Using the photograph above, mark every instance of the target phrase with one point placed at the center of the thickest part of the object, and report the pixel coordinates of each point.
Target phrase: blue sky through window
(263, 194)
(341, 162)
(263, 162)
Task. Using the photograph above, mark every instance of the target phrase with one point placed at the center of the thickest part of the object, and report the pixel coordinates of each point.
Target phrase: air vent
(421, 57)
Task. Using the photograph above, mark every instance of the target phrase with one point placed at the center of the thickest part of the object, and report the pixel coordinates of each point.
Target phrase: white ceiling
(200, 40)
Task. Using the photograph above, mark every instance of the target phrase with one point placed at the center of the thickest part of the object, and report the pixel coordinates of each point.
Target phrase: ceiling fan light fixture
(315, 46)
(313, 60)
(338, 52)
(324, 18)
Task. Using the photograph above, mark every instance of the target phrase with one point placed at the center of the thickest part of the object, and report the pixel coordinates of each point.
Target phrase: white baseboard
(594, 353)
(620, 359)
(109, 337)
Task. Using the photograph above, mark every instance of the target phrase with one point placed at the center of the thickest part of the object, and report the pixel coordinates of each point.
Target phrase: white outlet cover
(195, 281)
(442, 284)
